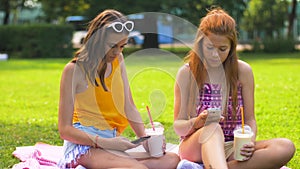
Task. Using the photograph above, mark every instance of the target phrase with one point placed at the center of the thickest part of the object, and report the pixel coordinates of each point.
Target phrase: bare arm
(66, 107)
(134, 117)
(182, 124)
(247, 80)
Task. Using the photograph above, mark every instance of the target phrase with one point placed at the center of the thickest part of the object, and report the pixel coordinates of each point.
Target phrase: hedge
(36, 41)
(279, 45)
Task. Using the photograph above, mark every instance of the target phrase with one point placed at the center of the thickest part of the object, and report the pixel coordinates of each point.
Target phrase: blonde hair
(91, 56)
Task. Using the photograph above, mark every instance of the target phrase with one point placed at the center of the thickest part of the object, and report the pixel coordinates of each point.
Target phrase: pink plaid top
(210, 97)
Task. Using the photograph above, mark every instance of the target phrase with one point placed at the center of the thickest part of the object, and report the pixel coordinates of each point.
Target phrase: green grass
(30, 92)
(277, 97)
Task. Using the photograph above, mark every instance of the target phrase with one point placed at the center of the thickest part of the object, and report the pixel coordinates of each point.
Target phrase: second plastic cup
(240, 139)
(156, 142)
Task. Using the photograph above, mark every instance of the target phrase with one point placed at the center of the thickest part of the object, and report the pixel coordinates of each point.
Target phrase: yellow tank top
(103, 109)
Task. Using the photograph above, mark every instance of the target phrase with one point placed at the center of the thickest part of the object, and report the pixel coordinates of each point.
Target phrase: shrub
(36, 41)
(279, 45)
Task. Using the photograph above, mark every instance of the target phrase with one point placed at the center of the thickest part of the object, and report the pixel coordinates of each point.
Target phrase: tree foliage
(266, 16)
(58, 10)
(194, 10)
(188, 9)
(10, 7)
(125, 6)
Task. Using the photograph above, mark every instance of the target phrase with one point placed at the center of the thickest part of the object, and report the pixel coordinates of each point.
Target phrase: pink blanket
(45, 156)
(39, 156)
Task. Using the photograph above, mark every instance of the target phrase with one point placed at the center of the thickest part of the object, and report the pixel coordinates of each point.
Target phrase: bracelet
(96, 140)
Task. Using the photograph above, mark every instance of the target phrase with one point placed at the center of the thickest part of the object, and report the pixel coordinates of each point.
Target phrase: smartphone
(141, 139)
(214, 115)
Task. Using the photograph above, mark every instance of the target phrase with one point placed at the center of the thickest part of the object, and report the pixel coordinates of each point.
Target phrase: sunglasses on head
(119, 26)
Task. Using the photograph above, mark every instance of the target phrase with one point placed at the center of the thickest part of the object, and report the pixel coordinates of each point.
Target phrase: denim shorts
(72, 151)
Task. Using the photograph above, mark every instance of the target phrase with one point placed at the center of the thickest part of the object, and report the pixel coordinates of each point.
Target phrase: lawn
(30, 92)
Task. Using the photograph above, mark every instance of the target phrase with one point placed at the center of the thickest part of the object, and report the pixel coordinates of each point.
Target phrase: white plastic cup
(156, 142)
(240, 139)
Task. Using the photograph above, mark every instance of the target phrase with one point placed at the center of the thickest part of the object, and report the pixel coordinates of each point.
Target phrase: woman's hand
(200, 120)
(146, 147)
(247, 150)
(116, 143)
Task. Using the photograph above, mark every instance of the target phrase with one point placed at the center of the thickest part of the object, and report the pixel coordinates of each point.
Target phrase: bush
(36, 41)
(257, 46)
(279, 45)
(179, 51)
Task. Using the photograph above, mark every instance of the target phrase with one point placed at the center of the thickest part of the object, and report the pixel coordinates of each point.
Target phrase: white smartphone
(213, 116)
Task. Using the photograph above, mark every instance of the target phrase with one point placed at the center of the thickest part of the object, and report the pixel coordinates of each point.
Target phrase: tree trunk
(150, 41)
(292, 17)
(149, 30)
(6, 11)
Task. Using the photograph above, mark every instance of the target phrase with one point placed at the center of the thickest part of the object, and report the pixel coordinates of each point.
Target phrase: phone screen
(214, 115)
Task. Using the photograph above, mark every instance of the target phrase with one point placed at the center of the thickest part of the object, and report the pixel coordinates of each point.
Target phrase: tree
(4, 4)
(292, 17)
(266, 16)
(11, 6)
(194, 10)
(59, 10)
(189, 9)
(130, 7)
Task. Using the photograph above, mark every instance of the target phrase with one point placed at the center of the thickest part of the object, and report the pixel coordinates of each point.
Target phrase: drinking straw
(151, 121)
(243, 121)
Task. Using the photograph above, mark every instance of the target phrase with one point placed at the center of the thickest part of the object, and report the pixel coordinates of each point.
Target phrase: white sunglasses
(119, 26)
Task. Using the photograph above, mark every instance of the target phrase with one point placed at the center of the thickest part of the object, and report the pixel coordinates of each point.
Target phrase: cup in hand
(156, 142)
(240, 139)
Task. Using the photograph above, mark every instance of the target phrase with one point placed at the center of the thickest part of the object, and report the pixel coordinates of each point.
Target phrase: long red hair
(218, 22)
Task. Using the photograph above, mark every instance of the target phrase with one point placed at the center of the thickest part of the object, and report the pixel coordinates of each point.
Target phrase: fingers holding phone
(200, 120)
(141, 139)
(213, 116)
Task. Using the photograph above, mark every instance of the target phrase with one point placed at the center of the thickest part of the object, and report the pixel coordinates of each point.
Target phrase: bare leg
(99, 158)
(211, 151)
(269, 154)
(168, 161)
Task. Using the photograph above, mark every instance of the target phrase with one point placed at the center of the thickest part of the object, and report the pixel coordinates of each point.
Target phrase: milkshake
(156, 142)
(240, 139)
